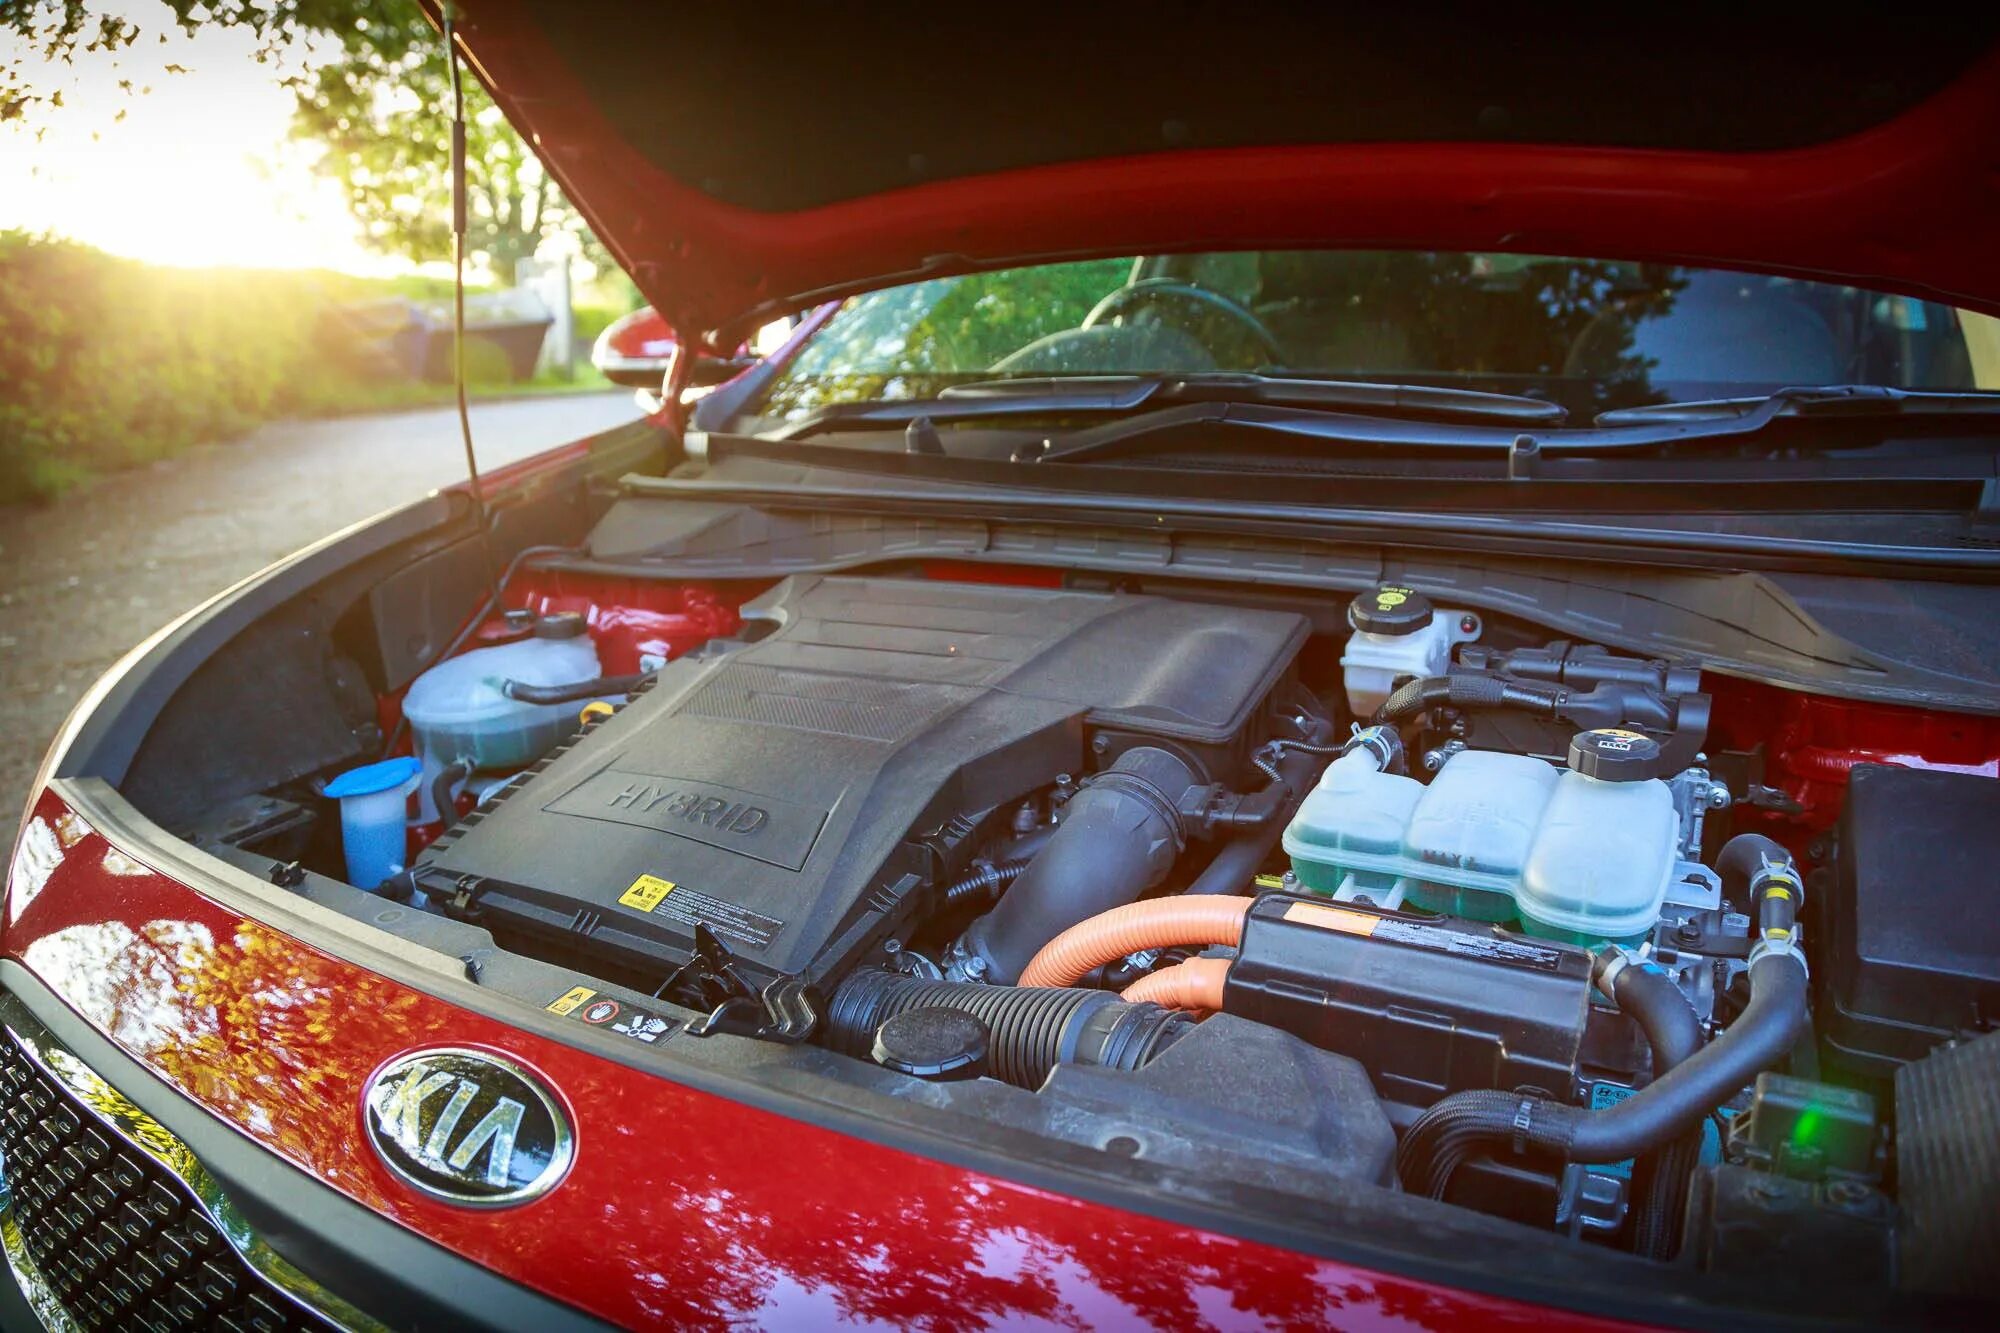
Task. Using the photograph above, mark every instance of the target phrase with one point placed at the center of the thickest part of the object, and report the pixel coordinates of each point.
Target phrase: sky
(199, 172)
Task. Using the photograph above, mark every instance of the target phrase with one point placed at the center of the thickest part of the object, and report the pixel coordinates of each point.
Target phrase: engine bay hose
(1468, 690)
(1194, 985)
(572, 691)
(1673, 1031)
(1238, 860)
(1156, 923)
(1673, 1104)
(1033, 1029)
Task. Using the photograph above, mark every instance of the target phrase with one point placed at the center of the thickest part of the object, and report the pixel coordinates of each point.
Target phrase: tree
(55, 32)
(372, 86)
(382, 110)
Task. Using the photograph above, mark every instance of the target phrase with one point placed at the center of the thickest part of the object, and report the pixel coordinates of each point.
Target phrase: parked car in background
(1329, 671)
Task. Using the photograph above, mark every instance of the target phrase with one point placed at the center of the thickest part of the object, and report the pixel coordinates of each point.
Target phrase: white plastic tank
(1398, 635)
(1583, 854)
(458, 710)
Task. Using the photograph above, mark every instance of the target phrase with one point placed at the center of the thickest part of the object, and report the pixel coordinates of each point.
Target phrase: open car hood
(745, 163)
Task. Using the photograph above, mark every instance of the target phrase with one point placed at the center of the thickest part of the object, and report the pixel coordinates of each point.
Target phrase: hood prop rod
(458, 229)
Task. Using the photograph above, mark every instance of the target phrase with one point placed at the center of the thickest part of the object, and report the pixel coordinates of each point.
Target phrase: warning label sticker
(740, 924)
(646, 892)
(586, 1006)
(1439, 939)
(567, 1002)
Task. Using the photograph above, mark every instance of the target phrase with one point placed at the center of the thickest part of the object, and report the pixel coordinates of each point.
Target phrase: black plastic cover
(1912, 949)
(933, 1042)
(1428, 1005)
(769, 791)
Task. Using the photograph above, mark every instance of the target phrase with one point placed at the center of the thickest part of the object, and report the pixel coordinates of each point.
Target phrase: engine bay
(1410, 898)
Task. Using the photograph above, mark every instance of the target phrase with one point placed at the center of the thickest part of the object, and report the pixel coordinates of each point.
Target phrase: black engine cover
(769, 790)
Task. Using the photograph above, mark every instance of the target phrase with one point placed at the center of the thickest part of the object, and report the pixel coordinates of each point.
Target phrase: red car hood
(742, 163)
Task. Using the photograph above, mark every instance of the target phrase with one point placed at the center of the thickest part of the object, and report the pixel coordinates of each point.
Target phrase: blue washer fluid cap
(371, 778)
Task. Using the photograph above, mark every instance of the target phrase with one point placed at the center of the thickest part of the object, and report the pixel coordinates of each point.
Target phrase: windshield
(1591, 335)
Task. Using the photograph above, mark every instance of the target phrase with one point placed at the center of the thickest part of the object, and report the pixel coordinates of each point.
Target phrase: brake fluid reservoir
(1604, 856)
(1397, 635)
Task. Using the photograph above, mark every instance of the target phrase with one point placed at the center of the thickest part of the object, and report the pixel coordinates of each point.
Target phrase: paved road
(83, 580)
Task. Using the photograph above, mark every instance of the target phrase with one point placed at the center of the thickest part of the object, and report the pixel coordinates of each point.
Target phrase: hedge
(107, 363)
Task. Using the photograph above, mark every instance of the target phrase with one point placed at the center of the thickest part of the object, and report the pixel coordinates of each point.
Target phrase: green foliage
(108, 363)
(52, 33)
(383, 112)
(376, 95)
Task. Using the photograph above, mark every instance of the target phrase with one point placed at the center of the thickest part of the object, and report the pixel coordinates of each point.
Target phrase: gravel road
(85, 579)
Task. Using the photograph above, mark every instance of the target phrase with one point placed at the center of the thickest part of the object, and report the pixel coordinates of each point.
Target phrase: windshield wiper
(1833, 400)
(1121, 395)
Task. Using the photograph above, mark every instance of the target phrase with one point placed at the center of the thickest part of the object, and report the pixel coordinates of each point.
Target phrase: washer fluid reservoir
(1584, 854)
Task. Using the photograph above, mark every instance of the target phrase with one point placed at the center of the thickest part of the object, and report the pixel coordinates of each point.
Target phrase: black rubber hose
(1118, 837)
(1237, 861)
(1680, 1099)
(574, 690)
(447, 809)
(1660, 1179)
(1652, 1000)
(1671, 1105)
(1033, 1028)
(1757, 869)
(1468, 690)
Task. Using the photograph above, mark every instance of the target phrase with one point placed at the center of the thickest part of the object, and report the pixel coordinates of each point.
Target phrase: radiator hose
(1032, 1028)
(1675, 1102)
(1660, 1179)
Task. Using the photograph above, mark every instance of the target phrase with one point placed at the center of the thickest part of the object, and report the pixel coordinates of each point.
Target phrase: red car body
(686, 1205)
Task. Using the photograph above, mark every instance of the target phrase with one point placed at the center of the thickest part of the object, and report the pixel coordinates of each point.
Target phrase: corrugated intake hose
(1672, 1105)
(1033, 1029)
(1157, 923)
(1468, 690)
(1193, 985)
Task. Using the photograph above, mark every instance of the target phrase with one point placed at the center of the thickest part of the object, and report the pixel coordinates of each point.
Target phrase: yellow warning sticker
(1333, 918)
(1270, 881)
(646, 892)
(567, 1002)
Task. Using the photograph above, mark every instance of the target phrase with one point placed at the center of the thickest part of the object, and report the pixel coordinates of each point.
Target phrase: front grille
(121, 1241)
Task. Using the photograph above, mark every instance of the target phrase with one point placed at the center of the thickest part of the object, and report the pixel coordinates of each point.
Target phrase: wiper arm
(1833, 400)
(1120, 395)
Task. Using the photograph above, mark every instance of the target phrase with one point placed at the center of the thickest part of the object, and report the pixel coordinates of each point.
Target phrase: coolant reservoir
(1584, 854)
(457, 710)
(1608, 843)
(1397, 635)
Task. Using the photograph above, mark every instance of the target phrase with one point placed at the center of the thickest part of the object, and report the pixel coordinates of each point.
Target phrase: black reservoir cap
(1614, 754)
(1390, 610)
(561, 625)
(933, 1042)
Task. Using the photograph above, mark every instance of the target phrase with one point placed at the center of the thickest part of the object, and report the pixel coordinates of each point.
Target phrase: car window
(1591, 334)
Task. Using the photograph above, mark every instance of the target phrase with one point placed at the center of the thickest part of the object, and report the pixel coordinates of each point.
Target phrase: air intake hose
(1033, 1028)
(1118, 837)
